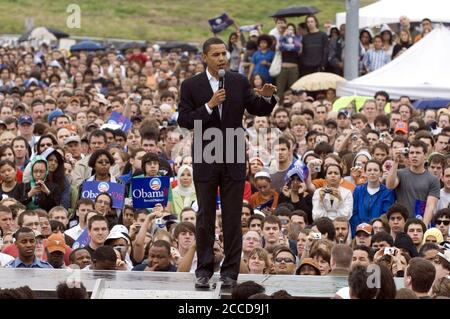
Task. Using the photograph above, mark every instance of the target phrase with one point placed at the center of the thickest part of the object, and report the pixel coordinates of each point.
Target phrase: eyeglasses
(445, 222)
(286, 260)
(103, 162)
(47, 144)
(255, 225)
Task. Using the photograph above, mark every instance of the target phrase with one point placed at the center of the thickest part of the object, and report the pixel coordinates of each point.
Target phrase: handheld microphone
(221, 74)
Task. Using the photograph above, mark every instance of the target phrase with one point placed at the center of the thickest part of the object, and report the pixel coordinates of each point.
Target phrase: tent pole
(351, 49)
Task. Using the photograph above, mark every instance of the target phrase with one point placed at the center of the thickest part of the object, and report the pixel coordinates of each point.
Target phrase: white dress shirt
(214, 83)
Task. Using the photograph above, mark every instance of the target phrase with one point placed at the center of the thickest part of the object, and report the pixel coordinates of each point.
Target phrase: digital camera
(405, 150)
(316, 235)
(160, 223)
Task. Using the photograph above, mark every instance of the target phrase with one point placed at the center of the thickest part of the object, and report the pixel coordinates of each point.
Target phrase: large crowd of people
(327, 192)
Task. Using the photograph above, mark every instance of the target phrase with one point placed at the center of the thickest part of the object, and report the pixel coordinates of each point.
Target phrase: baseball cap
(445, 255)
(401, 127)
(256, 158)
(71, 139)
(331, 122)
(56, 64)
(53, 114)
(119, 228)
(25, 119)
(32, 81)
(91, 125)
(343, 112)
(308, 261)
(14, 89)
(263, 174)
(101, 99)
(117, 235)
(74, 98)
(367, 228)
(55, 242)
(170, 219)
(254, 33)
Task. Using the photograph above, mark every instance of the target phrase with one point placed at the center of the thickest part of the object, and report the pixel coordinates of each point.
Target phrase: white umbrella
(42, 34)
(318, 81)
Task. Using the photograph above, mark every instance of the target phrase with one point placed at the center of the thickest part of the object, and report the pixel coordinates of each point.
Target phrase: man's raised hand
(267, 90)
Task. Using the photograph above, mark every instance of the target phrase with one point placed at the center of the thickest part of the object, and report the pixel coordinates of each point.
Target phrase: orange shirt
(256, 199)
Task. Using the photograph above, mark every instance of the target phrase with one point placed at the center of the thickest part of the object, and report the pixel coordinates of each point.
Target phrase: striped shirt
(375, 59)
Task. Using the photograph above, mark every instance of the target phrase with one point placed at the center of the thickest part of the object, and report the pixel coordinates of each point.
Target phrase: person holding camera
(357, 171)
(394, 259)
(295, 192)
(332, 200)
(371, 199)
(39, 192)
(415, 187)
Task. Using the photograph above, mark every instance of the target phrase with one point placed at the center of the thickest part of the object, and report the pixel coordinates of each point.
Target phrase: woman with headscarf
(184, 194)
(357, 174)
(40, 192)
(45, 142)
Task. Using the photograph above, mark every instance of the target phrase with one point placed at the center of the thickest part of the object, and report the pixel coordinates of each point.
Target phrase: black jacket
(195, 93)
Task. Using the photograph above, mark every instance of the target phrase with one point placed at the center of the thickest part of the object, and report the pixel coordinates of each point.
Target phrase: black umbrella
(295, 12)
(57, 33)
(130, 45)
(175, 45)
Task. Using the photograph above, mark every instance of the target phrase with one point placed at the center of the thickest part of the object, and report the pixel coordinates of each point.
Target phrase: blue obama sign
(92, 189)
(149, 191)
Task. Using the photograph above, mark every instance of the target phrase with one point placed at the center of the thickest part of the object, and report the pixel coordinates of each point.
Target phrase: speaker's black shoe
(228, 283)
(202, 283)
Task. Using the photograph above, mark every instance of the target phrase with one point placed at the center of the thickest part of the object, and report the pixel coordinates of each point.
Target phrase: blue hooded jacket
(367, 207)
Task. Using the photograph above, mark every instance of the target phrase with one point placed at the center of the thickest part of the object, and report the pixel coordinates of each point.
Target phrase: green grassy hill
(152, 19)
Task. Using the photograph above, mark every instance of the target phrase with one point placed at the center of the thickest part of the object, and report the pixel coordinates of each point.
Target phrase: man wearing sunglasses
(442, 222)
(284, 261)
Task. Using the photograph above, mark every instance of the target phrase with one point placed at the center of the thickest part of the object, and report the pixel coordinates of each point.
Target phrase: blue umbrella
(86, 45)
(431, 103)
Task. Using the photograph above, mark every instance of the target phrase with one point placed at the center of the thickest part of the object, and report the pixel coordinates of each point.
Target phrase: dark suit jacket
(195, 93)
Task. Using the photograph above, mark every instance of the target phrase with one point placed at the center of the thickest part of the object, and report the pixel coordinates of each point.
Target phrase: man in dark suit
(221, 162)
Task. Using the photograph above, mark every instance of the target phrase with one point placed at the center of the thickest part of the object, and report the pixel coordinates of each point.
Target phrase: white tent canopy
(389, 11)
(422, 71)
